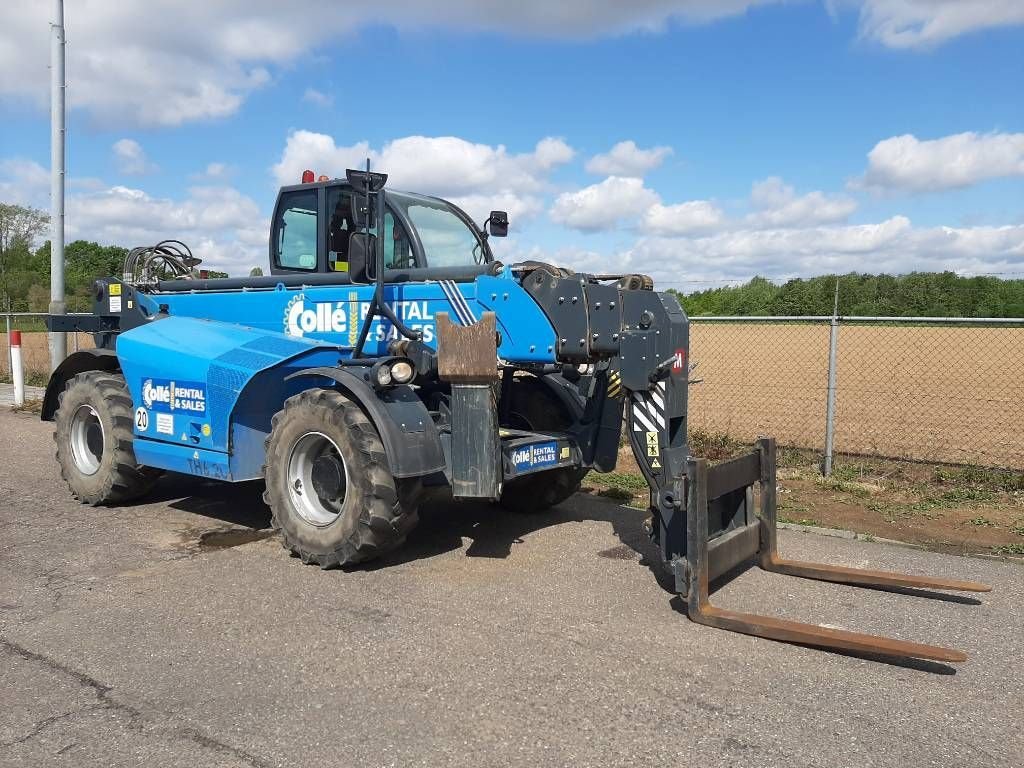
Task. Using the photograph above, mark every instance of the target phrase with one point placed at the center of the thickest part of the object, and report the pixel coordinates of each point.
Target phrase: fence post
(10, 358)
(830, 408)
(17, 371)
(830, 405)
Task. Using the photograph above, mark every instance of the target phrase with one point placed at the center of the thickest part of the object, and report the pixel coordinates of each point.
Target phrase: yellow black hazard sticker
(615, 385)
(353, 318)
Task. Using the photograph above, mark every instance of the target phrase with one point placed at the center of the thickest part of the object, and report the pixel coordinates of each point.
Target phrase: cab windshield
(448, 239)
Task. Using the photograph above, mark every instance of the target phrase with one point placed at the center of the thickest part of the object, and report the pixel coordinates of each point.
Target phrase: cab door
(296, 237)
(342, 221)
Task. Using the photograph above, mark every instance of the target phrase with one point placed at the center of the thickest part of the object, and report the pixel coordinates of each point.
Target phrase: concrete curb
(839, 533)
(31, 393)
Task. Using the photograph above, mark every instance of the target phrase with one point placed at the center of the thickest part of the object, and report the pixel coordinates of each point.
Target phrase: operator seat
(338, 233)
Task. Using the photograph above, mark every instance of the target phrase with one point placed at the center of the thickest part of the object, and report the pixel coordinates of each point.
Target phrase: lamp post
(58, 342)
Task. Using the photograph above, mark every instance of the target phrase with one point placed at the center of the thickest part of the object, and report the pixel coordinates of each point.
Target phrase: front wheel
(329, 485)
(93, 431)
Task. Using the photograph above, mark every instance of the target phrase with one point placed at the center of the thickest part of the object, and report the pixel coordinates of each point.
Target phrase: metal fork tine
(865, 578)
(701, 611)
(770, 560)
(787, 631)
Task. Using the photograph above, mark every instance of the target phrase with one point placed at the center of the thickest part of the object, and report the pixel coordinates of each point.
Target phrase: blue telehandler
(388, 351)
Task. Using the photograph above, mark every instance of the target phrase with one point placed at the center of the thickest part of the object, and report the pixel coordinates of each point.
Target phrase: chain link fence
(931, 389)
(35, 352)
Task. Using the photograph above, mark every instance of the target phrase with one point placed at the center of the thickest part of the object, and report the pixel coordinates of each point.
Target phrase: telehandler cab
(388, 351)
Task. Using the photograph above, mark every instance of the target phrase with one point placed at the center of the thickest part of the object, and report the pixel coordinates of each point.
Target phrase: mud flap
(467, 358)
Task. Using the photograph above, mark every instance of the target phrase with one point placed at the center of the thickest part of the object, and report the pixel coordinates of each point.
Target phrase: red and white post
(17, 369)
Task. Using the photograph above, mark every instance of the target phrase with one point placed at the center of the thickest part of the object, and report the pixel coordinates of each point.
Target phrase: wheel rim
(317, 479)
(87, 440)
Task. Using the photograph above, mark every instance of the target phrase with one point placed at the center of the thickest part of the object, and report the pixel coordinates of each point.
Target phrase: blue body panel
(182, 458)
(187, 377)
(206, 380)
(333, 313)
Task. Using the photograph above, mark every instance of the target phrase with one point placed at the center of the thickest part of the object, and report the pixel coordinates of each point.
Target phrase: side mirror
(361, 255)
(499, 223)
(363, 217)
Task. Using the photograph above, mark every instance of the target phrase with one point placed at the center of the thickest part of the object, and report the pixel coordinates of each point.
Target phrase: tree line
(917, 294)
(25, 270)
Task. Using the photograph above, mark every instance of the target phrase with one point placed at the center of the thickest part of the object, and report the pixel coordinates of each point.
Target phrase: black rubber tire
(535, 407)
(119, 477)
(378, 511)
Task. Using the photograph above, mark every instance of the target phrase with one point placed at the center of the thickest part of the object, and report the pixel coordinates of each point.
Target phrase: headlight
(383, 375)
(402, 372)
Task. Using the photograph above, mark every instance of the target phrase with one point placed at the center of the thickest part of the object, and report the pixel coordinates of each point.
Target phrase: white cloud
(223, 226)
(776, 204)
(24, 182)
(691, 217)
(317, 98)
(907, 163)
(214, 172)
(627, 159)
(551, 152)
(518, 207)
(604, 205)
(482, 177)
(927, 23)
(131, 159)
(124, 66)
(893, 246)
(617, 201)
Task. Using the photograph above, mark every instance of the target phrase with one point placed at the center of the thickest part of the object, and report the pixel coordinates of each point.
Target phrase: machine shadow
(239, 504)
(492, 531)
(444, 524)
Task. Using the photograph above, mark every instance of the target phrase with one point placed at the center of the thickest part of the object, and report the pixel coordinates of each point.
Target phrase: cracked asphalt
(176, 632)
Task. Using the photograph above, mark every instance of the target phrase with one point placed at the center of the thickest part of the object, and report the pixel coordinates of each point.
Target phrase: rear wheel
(93, 431)
(536, 408)
(329, 486)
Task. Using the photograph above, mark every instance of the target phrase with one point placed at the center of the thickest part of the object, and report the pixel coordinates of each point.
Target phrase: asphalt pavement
(177, 632)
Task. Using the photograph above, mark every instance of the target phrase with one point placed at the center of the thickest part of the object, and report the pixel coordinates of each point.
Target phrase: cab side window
(295, 231)
(397, 248)
(340, 226)
(342, 223)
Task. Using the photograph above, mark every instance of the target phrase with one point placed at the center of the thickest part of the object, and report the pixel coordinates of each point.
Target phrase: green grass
(32, 378)
(625, 482)
(834, 483)
(981, 478)
(851, 472)
(616, 494)
(715, 446)
(1009, 549)
(798, 520)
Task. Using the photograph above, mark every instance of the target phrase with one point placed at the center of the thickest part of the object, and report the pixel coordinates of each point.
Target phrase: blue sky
(767, 138)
